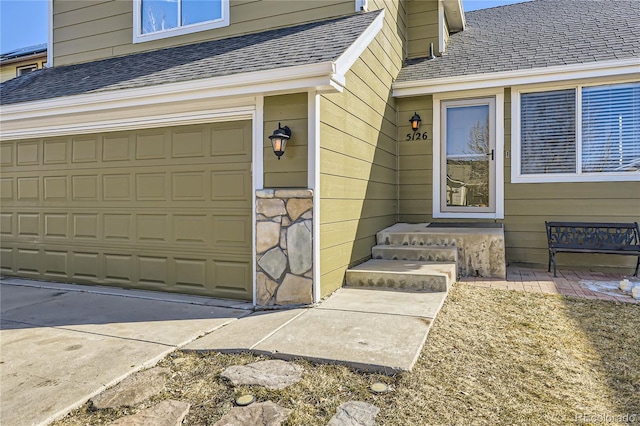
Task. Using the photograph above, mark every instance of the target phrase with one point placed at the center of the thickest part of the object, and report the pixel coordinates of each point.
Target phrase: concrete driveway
(61, 344)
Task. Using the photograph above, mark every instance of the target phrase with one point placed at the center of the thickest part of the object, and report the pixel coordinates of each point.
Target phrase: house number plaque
(416, 136)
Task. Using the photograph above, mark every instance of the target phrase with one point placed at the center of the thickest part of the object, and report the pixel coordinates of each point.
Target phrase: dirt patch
(492, 357)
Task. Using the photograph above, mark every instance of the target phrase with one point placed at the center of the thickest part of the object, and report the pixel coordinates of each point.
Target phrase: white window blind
(580, 131)
(548, 132)
(611, 128)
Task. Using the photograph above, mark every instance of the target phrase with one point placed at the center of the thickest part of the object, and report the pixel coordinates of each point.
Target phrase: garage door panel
(56, 226)
(6, 155)
(28, 153)
(28, 188)
(188, 186)
(6, 189)
(55, 151)
(117, 147)
(151, 145)
(27, 261)
(191, 273)
(231, 277)
(6, 224)
(231, 231)
(55, 188)
(164, 209)
(85, 265)
(85, 149)
(56, 263)
(190, 229)
(190, 142)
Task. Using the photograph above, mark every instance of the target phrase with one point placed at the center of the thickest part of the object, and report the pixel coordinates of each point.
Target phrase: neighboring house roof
(306, 44)
(23, 51)
(536, 34)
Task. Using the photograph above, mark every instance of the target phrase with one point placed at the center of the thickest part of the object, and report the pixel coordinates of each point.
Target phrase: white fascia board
(516, 78)
(49, 112)
(233, 85)
(353, 52)
(454, 13)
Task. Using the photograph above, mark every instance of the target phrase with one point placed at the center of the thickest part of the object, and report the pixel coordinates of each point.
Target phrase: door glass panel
(468, 156)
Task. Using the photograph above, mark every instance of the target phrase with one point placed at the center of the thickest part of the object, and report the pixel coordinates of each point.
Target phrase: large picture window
(154, 19)
(584, 133)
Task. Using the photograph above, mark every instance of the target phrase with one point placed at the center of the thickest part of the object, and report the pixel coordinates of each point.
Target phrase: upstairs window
(584, 133)
(26, 69)
(155, 19)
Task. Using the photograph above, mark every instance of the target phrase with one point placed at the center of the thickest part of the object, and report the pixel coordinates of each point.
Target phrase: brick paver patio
(569, 283)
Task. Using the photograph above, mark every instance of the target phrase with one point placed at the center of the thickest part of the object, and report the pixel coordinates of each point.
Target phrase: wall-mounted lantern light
(279, 140)
(415, 122)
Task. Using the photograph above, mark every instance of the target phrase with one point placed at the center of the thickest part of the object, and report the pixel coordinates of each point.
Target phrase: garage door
(161, 209)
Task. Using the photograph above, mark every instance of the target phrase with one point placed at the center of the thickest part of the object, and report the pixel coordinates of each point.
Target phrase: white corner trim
(257, 175)
(353, 52)
(50, 34)
(519, 77)
(313, 182)
(258, 141)
(441, 27)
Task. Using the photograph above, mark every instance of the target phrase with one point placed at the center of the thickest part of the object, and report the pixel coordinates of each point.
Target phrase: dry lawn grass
(492, 357)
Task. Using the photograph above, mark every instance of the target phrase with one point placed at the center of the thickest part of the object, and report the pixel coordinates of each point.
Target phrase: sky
(24, 22)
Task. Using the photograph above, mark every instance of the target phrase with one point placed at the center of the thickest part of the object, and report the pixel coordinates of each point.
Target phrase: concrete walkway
(61, 344)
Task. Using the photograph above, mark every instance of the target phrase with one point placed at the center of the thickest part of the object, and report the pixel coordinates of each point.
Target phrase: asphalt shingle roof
(536, 34)
(305, 44)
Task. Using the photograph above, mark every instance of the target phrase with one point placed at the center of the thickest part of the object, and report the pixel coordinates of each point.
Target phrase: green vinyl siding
(358, 159)
(291, 170)
(422, 27)
(85, 31)
(527, 205)
(415, 161)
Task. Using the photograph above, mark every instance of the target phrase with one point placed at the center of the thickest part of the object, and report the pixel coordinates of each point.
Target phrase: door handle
(491, 154)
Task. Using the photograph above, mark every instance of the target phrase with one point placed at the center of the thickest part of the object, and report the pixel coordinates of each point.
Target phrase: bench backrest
(585, 235)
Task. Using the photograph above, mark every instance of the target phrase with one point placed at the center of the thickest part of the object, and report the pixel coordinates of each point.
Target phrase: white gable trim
(353, 52)
(515, 78)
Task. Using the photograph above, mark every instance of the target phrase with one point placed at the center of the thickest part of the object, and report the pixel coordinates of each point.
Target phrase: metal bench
(589, 237)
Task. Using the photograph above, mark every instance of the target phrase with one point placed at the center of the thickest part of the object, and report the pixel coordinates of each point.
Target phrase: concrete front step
(421, 253)
(403, 275)
(480, 249)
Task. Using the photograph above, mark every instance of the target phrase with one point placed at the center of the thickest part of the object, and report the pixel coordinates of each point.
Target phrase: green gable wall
(358, 161)
(89, 30)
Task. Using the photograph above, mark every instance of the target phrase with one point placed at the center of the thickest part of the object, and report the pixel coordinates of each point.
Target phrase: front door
(468, 157)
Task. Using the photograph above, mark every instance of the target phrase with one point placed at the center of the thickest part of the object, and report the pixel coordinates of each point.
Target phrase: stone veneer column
(284, 249)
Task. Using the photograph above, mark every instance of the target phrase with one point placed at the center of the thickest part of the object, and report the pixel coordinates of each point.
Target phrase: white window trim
(138, 37)
(362, 5)
(516, 173)
(437, 213)
(30, 67)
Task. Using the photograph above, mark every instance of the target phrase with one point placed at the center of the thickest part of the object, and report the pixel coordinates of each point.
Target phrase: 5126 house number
(416, 136)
